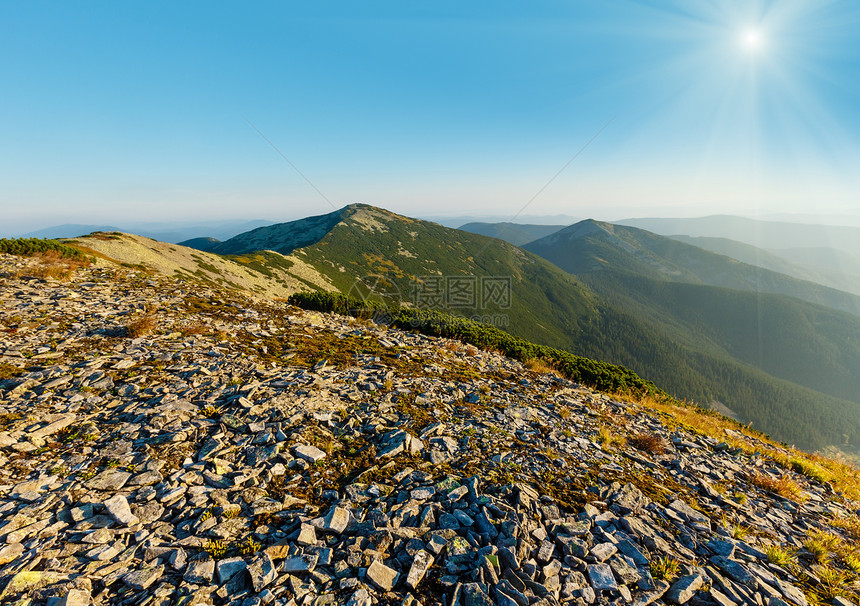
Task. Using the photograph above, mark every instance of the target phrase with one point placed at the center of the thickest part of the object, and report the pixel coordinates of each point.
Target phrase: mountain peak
(287, 237)
(581, 229)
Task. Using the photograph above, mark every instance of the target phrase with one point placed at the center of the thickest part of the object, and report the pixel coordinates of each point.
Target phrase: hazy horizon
(222, 229)
(608, 110)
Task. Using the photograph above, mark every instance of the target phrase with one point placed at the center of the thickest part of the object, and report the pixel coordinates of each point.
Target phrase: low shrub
(603, 376)
(29, 247)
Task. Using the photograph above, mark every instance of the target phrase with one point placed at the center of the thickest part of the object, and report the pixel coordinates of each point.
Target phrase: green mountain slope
(806, 344)
(515, 233)
(590, 246)
(281, 237)
(362, 249)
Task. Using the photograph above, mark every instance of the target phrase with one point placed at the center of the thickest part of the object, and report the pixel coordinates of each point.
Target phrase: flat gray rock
(336, 520)
(601, 577)
(603, 551)
(300, 563)
(108, 480)
(117, 506)
(75, 597)
(361, 597)
(474, 595)
(139, 580)
(309, 453)
(684, 588)
(262, 572)
(228, 568)
(381, 575)
(421, 563)
(199, 572)
(737, 571)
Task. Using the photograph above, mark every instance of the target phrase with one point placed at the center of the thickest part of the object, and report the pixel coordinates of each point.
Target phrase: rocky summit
(165, 441)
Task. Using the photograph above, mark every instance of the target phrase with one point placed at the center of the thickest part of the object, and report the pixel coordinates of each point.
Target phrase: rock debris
(245, 453)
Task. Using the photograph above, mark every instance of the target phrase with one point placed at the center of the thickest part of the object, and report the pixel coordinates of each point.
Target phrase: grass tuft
(539, 365)
(851, 525)
(142, 326)
(606, 438)
(784, 486)
(780, 556)
(215, 548)
(833, 582)
(647, 442)
(664, 568)
(821, 544)
(211, 412)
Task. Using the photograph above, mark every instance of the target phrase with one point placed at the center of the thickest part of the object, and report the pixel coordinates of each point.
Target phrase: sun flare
(752, 40)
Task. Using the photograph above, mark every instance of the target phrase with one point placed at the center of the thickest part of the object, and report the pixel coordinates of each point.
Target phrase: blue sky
(123, 111)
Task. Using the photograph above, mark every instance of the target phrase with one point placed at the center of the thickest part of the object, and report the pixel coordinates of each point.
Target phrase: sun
(752, 40)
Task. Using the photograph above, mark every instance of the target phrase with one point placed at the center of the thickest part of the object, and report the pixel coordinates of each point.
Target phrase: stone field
(170, 442)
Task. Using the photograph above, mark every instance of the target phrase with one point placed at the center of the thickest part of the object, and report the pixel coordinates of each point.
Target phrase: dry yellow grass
(841, 475)
(784, 486)
(851, 525)
(606, 438)
(539, 365)
(197, 328)
(51, 264)
(142, 326)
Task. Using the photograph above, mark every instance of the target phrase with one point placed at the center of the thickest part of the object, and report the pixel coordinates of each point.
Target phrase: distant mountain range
(822, 263)
(774, 349)
(518, 219)
(763, 234)
(833, 250)
(826, 266)
(515, 233)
